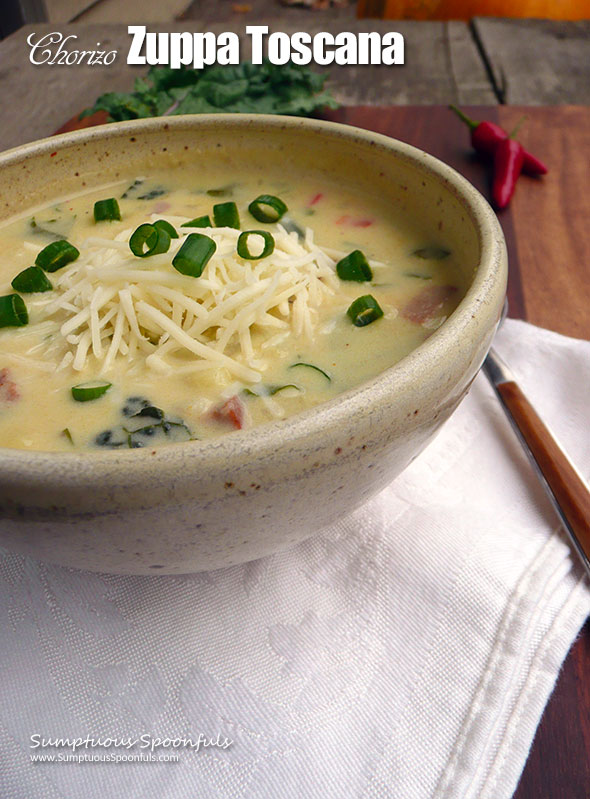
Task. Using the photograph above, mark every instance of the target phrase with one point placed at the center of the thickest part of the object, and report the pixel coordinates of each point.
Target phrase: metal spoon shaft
(564, 485)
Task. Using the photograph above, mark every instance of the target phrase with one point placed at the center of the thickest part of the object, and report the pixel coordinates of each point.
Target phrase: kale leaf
(245, 88)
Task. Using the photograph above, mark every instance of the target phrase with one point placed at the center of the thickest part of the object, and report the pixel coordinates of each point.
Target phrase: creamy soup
(129, 336)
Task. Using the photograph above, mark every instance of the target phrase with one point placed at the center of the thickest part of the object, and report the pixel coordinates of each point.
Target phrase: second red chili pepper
(508, 163)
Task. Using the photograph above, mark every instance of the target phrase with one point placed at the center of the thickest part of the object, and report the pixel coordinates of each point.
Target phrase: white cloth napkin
(408, 652)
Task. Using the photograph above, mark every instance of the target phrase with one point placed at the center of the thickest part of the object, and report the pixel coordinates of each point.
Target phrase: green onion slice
(364, 310)
(67, 434)
(200, 221)
(31, 280)
(226, 215)
(106, 210)
(311, 366)
(267, 248)
(194, 254)
(13, 311)
(156, 239)
(84, 392)
(354, 267)
(163, 225)
(267, 208)
(56, 255)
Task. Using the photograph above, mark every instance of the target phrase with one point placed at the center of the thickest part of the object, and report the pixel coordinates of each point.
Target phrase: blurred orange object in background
(466, 9)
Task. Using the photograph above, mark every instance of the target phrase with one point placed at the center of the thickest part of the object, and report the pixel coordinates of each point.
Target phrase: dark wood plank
(91, 121)
(537, 62)
(550, 217)
(558, 766)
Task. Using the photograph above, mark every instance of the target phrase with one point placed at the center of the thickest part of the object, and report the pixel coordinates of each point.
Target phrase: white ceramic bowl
(202, 505)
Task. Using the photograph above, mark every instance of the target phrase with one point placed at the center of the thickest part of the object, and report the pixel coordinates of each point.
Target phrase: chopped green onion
(194, 254)
(31, 280)
(84, 392)
(13, 311)
(311, 366)
(364, 310)
(66, 432)
(267, 248)
(226, 215)
(432, 253)
(267, 208)
(56, 255)
(200, 221)
(156, 239)
(354, 267)
(163, 225)
(106, 210)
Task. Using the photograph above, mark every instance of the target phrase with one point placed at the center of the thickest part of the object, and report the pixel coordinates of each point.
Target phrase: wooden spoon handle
(568, 491)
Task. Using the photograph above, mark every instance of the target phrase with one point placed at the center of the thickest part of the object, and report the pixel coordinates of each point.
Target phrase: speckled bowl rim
(238, 447)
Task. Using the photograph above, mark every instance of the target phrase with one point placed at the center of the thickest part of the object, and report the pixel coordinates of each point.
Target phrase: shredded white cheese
(110, 304)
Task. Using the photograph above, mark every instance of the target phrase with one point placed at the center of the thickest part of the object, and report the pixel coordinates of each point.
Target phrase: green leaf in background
(245, 88)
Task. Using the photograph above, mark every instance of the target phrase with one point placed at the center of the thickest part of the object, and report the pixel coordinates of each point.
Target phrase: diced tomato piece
(428, 303)
(316, 198)
(352, 222)
(8, 390)
(231, 412)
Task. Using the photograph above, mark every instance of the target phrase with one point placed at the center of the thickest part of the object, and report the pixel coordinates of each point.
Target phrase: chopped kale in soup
(177, 307)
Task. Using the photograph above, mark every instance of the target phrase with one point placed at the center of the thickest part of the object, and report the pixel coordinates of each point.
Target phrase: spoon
(565, 487)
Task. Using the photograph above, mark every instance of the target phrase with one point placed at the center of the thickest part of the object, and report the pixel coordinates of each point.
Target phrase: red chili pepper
(508, 161)
(486, 136)
(532, 165)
